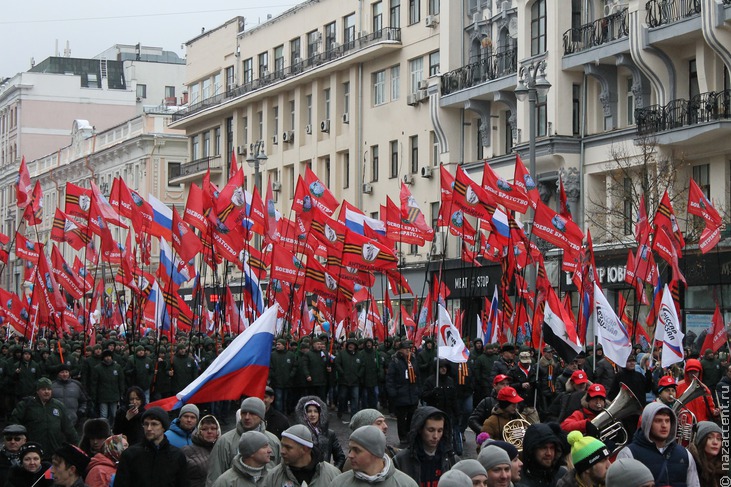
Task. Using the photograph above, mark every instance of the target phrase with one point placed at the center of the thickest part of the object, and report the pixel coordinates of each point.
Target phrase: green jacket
(281, 368)
(139, 371)
(24, 377)
(349, 368)
(426, 361)
(107, 383)
(48, 424)
(185, 371)
(314, 365)
(372, 362)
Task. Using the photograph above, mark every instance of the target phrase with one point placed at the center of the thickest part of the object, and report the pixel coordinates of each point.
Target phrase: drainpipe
(582, 155)
(359, 138)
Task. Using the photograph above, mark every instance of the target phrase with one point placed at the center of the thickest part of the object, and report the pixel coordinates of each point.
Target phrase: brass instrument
(514, 431)
(686, 418)
(609, 421)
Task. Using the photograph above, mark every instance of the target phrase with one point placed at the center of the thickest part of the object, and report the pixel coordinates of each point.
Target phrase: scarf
(410, 370)
(253, 472)
(379, 477)
(462, 374)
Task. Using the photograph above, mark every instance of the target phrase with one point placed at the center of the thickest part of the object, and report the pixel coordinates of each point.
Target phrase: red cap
(667, 381)
(579, 377)
(597, 390)
(693, 364)
(509, 394)
(499, 378)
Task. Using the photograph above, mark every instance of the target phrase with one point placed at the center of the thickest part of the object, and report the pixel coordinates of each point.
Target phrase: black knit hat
(159, 414)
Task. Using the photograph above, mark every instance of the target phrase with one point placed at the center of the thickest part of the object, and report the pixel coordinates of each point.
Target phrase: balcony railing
(495, 66)
(601, 31)
(662, 12)
(194, 167)
(294, 69)
(705, 107)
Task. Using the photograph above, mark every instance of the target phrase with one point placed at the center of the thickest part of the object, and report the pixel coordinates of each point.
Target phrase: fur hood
(301, 415)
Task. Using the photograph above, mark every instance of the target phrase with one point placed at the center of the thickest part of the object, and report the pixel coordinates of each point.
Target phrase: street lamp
(256, 158)
(532, 83)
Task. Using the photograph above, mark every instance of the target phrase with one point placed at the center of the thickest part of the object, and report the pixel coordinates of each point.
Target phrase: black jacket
(150, 465)
(20, 477)
(533, 474)
(400, 390)
(481, 413)
(409, 459)
(276, 422)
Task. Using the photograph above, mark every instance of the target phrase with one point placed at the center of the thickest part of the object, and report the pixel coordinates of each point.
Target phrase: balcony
(706, 112)
(664, 12)
(597, 33)
(387, 34)
(498, 65)
(190, 171)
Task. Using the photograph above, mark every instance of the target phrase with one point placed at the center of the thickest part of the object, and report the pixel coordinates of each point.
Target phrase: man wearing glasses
(15, 436)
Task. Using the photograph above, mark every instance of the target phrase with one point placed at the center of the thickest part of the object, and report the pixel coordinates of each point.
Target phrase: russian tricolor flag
(356, 220)
(162, 219)
(242, 368)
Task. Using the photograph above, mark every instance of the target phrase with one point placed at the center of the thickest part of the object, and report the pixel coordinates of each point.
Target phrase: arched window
(538, 27)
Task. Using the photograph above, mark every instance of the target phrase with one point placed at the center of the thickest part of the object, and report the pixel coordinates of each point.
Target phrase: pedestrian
(275, 420)
(31, 470)
(313, 413)
(300, 464)
(497, 465)
(516, 464)
(128, 421)
(103, 466)
(14, 437)
(153, 462)
(702, 407)
(628, 472)
(371, 466)
(543, 451)
(71, 393)
(249, 465)
(181, 428)
(94, 432)
(198, 453)
(706, 451)
(68, 466)
(473, 469)
(404, 388)
(454, 478)
(107, 385)
(593, 403)
(590, 458)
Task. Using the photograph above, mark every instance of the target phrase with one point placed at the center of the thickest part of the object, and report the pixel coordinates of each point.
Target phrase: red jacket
(577, 420)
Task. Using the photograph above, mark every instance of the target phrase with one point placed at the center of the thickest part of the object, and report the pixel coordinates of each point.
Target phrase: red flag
(185, 242)
(65, 275)
(524, 181)
(14, 312)
(564, 209)
(699, 205)
(231, 201)
(666, 249)
(717, 335)
(321, 196)
(709, 238)
(103, 207)
(320, 281)
(48, 299)
(130, 204)
(25, 249)
(453, 218)
(470, 197)
(470, 256)
(397, 228)
(555, 229)
(643, 225)
(195, 215)
(630, 277)
(23, 185)
(327, 230)
(234, 167)
(412, 214)
(286, 266)
(67, 230)
(512, 197)
(78, 201)
(447, 184)
(33, 212)
(363, 253)
(665, 218)
(408, 323)
(398, 283)
(84, 275)
(4, 248)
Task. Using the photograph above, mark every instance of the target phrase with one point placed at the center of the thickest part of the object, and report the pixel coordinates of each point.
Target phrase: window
(395, 82)
(693, 87)
(434, 148)
(414, 11)
(290, 181)
(275, 113)
(195, 147)
(630, 102)
(169, 92)
(542, 115)
(260, 116)
(538, 27)
(627, 206)
(327, 171)
(248, 70)
(206, 89)
(217, 141)
(292, 115)
(395, 13)
(576, 109)
(229, 138)
(480, 149)
(206, 144)
(294, 50)
(377, 17)
(346, 97)
(413, 249)
(195, 93)
(701, 175)
(173, 172)
(508, 132)
(312, 39)
(230, 78)
(349, 30)
(416, 71)
(216, 83)
(330, 36)
(346, 170)
(434, 214)
(379, 88)
(245, 123)
(308, 100)
(414, 148)
(326, 94)
(394, 158)
(263, 64)
(141, 91)
(434, 7)
(279, 60)
(434, 63)
(374, 163)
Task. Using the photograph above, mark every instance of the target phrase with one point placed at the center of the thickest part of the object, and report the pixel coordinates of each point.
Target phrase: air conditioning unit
(362, 34)
(437, 246)
(346, 117)
(325, 126)
(288, 136)
(241, 150)
(427, 172)
(276, 186)
(275, 139)
(431, 20)
(265, 73)
(367, 188)
(422, 95)
(308, 129)
(139, 99)
(412, 100)
(334, 46)
(408, 179)
(297, 60)
(423, 84)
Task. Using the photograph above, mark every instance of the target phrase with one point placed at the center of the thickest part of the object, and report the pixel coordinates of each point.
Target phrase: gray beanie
(250, 442)
(454, 478)
(471, 467)
(371, 438)
(492, 456)
(190, 408)
(364, 417)
(299, 433)
(254, 405)
(703, 429)
(628, 472)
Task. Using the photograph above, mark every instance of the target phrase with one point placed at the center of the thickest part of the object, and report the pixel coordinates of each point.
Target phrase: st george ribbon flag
(610, 331)
(668, 331)
(241, 369)
(451, 346)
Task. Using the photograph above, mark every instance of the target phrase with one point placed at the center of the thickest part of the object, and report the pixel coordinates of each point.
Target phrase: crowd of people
(79, 417)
